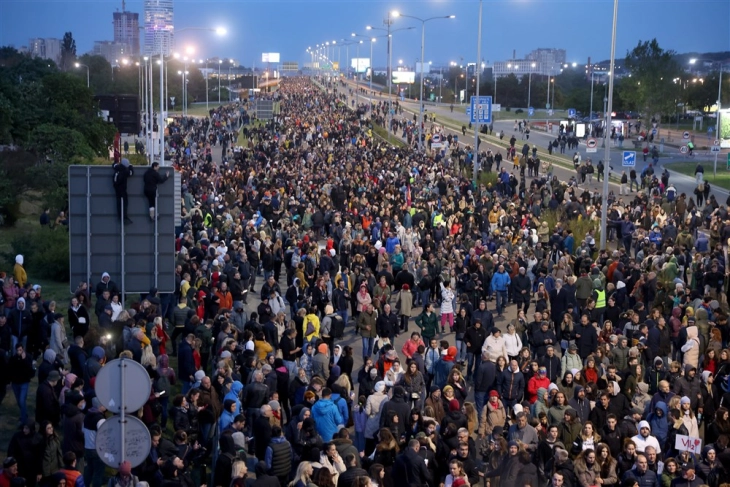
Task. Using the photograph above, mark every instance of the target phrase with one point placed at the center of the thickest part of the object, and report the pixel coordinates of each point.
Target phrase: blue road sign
(481, 112)
(571, 112)
(468, 111)
(653, 132)
(629, 159)
(531, 111)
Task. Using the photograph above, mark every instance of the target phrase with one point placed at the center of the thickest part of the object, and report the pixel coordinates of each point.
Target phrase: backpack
(337, 329)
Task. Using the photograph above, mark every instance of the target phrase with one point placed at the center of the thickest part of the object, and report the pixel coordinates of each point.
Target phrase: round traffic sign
(683, 149)
(716, 142)
(685, 135)
(137, 441)
(591, 143)
(123, 377)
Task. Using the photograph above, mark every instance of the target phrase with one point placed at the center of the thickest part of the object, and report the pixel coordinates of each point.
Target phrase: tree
(68, 51)
(651, 89)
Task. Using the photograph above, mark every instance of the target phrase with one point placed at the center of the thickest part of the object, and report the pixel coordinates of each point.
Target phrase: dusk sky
(581, 27)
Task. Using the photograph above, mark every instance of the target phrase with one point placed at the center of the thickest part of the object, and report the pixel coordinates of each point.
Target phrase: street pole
(372, 71)
(420, 99)
(590, 113)
(476, 117)
(220, 61)
(207, 108)
(607, 154)
(495, 84)
(161, 123)
(529, 92)
(390, 77)
(441, 81)
(717, 117)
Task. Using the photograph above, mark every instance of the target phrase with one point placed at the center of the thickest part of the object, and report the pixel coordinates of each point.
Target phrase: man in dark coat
(186, 363)
(262, 431)
(409, 468)
(349, 476)
(558, 302)
(122, 171)
(521, 286)
(47, 406)
(400, 405)
(586, 338)
(152, 179)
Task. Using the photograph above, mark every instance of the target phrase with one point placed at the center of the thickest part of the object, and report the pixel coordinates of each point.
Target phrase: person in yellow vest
(599, 296)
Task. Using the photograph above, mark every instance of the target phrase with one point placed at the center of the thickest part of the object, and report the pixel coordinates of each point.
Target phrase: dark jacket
(586, 339)
(185, 362)
(410, 469)
(73, 435)
(647, 479)
(47, 407)
(511, 386)
(485, 377)
(475, 337)
(348, 477)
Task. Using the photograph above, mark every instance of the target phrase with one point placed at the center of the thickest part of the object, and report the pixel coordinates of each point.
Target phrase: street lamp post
(590, 113)
(529, 89)
(477, 66)
(607, 154)
(423, 48)
(78, 65)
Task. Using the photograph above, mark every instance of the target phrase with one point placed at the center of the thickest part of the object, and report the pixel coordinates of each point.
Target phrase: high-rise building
(547, 56)
(46, 48)
(126, 30)
(112, 51)
(158, 27)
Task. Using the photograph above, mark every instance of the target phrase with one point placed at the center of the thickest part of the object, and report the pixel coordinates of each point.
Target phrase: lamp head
(221, 31)
(451, 17)
(395, 14)
(77, 65)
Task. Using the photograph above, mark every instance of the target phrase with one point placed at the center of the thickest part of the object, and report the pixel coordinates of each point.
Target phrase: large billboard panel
(724, 135)
(426, 68)
(270, 57)
(404, 77)
(360, 64)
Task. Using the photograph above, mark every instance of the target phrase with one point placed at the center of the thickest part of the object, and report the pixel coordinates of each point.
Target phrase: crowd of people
(311, 232)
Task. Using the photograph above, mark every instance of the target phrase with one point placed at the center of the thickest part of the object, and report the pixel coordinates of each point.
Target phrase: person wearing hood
(443, 366)
(581, 404)
(509, 470)
(19, 271)
(234, 394)
(658, 420)
(373, 409)
(691, 349)
(644, 438)
(641, 398)
(563, 465)
(710, 466)
(19, 322)
(400, 405)
(511, 384)
(710, 395)
(434, 402)
(567, 385)
(657, 373)
(689, 386)
(73, 421)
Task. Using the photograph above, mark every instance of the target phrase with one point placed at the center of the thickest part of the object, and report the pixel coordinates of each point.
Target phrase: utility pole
(477, 66)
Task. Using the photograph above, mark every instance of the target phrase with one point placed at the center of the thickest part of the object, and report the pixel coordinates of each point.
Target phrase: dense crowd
(313, 231)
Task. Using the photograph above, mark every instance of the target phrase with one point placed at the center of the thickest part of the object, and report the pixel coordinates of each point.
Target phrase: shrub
(519, 110)
(580, 226)
(45, 252)
(508, 109)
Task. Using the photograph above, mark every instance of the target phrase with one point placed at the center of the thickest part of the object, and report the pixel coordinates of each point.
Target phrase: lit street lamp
(78, 65)
(423, 57)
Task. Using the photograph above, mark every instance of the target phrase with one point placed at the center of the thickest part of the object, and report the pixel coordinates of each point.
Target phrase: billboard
(270, 57)
(407, 77)
(724, 135)
(360, 64)
(426, 68)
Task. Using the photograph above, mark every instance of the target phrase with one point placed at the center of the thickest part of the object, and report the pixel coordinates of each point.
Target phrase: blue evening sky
(581, 27)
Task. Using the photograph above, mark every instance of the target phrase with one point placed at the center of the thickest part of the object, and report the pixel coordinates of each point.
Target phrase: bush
(519, 110)
(45, 252)
(508, 109)
(580, 226)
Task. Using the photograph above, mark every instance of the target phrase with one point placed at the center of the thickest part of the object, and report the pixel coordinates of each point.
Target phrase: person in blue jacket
(341, 403)
(234, 394)
(327, 416)
(500, 283)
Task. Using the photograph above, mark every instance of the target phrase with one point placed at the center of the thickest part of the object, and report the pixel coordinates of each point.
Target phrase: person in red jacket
(9, 472)
(538, 381)
(73, 476)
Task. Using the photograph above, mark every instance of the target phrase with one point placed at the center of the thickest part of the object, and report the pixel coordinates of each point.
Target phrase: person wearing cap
(570, 360)
(9, 472)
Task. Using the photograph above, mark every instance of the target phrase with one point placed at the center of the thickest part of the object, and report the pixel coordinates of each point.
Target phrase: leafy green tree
(650, 89)
(68, 51)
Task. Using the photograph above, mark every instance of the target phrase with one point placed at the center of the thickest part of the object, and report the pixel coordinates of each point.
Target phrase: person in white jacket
(644, 438)
(494, 346)
(447, 306)
(512, 342)
(59, 342)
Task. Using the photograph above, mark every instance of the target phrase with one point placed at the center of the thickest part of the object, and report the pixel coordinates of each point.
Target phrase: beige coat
(404, 303)
(491, 417)
(373, 407)
(692, 354)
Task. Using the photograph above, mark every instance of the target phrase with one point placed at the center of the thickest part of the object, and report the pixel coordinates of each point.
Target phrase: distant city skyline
(582, 29)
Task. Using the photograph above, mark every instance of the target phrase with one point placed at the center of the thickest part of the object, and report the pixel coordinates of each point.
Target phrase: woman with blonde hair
(303, 477)
(587, 469)
(471, 416)
(587, 439)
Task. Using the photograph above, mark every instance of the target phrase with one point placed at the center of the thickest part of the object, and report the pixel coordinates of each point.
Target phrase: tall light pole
(423, 57)
(607, 154)
(529, 89)
(717, 116)
(477, 66)
(372, 41)
(590, 113)
(79, 65)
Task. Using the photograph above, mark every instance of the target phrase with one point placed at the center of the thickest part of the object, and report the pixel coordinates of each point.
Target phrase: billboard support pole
(717, 117)
(156, 239)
